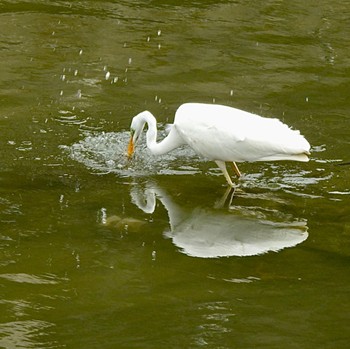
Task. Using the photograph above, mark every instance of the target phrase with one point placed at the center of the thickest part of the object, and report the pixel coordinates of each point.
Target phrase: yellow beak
(130, 148)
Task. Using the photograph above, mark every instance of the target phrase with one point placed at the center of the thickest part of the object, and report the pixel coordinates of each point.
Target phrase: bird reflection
(210, 232)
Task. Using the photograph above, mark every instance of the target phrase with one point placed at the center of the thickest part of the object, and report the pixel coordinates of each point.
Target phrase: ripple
(47, 279)
(285, 178)
(25, 334)
(68, 117)
(336, 192)
(25, 146)
(247, 280)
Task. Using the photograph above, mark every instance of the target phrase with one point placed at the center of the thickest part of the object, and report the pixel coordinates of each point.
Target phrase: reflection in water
(209, 232)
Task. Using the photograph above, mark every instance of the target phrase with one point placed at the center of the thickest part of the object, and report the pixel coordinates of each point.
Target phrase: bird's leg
(222, 166)
(235, 168)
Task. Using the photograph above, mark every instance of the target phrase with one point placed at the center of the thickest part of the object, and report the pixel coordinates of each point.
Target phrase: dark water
(98, 252)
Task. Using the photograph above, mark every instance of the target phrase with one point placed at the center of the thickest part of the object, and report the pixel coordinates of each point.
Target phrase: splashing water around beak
(130, 148)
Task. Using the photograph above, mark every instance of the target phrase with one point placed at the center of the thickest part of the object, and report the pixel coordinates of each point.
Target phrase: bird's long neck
(169, 143)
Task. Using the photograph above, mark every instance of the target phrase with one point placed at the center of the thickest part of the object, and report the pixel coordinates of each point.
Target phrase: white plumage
(223, 134)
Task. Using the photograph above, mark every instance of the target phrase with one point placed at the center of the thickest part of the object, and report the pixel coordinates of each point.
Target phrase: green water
(96, 252)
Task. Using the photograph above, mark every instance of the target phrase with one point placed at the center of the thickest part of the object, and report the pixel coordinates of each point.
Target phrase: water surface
(99, 252)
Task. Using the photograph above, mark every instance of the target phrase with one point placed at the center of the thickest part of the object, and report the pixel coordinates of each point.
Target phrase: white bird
(223, 134)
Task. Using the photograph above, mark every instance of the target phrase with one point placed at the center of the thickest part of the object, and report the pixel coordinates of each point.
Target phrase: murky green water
(96, 252)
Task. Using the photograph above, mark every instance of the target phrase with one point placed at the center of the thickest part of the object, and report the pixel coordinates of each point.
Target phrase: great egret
(223, 134)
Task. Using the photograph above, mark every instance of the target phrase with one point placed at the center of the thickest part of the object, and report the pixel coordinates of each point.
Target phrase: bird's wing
(228, 134)
(267, 139)
(213, 140)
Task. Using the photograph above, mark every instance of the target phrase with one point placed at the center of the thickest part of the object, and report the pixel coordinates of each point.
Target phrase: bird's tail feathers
(303, 157)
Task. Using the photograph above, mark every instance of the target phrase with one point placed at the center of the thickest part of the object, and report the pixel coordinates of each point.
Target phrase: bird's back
(223, 133)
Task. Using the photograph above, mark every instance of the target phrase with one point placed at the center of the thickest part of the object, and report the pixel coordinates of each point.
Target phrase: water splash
(106, 153)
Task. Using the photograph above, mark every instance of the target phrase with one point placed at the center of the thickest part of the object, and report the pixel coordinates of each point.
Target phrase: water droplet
(103, 215)
(77, 258)
(154, 255)
(110, 163)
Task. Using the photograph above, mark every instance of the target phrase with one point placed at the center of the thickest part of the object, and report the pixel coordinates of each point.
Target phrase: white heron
(223, 134)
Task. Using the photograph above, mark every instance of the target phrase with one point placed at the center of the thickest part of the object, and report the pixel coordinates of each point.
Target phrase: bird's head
(136, 128)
